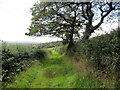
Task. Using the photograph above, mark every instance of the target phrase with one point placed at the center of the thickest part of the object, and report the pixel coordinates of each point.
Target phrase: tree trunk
(86, 35)
(71, 39)
(89, 30)
(70, 45)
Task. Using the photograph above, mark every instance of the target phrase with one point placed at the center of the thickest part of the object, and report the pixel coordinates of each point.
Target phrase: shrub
(102, 51)
(61, 49)
(16, 58)
(39, 54)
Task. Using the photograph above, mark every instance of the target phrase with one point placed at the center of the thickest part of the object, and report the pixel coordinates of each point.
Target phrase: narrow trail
(39, 75)
(55, 72)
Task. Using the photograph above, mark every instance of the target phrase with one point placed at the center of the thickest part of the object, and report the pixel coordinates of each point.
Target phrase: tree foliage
(66, 19)
(56, 19)
(92, 11)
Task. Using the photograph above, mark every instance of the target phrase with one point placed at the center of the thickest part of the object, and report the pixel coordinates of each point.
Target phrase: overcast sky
(15, 18)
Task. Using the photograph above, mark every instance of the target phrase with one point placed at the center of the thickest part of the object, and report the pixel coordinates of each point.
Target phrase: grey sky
(15, 18)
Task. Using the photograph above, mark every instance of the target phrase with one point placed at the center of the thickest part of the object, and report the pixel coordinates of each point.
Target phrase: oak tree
(60, 19)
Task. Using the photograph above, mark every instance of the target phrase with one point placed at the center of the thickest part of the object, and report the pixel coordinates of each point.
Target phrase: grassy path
(55, 72)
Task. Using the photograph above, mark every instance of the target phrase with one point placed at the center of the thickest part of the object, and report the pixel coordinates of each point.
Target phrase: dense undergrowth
(57, 71)
(102, 53)
(16, 58)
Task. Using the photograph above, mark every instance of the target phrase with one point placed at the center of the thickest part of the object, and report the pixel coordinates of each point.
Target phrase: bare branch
(103, 16)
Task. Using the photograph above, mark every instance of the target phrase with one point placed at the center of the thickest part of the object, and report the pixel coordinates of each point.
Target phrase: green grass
(56, 72)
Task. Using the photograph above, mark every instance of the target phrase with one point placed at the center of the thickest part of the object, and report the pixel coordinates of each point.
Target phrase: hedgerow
(103, 52)
(16, 58)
